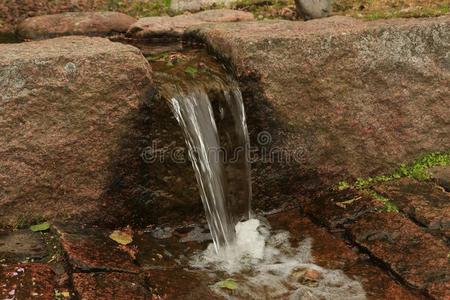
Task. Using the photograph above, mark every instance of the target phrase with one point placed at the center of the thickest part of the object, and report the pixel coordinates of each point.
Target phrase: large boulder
(74, 23)
(70, 109)
(13, 12)
(344, 98)
(155, 27)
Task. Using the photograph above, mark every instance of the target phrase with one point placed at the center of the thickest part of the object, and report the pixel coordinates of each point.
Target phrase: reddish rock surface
(424, 202)
(27, 281)
(93, 250)
(107, 286)
(347, 98)
(74, 23)
(70, 116)
(441, 175)
(332, 253)
(175, 26)
(338, 210)
(180, 284)
(419, 258)
(14, 11)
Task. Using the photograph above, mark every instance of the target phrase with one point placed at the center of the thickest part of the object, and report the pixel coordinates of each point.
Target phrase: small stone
(313, 9)
(312, 275)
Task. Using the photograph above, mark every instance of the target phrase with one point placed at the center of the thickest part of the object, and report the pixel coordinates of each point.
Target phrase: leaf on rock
(229, 284)
(121, 237)
(40, 227)
(191, 70)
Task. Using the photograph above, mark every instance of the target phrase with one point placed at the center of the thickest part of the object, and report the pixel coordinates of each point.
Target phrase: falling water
(218, 156)
(216, 133)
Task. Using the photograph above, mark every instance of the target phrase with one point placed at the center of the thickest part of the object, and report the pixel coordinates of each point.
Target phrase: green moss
(417, 12)
(389, 206)
(343, 185)
(140, 9)
(417, 170)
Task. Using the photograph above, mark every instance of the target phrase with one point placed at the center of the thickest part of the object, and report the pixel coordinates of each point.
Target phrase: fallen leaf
(229, 283)
(40, 227)
(344, 204)
(121, 237)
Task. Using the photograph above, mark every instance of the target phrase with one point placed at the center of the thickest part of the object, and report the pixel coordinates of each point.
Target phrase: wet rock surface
(27, 281)
(324, 91)
(106, 286)
(417, 257)
(424, 202)
(21, 245)
(154, 27)
(69, 122)
(167, 283)
(74, 23)
(101, 269)
(337, 211)
(91, 250)
(333, 253)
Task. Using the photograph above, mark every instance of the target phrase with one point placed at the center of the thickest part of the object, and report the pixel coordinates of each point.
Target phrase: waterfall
(215, 129)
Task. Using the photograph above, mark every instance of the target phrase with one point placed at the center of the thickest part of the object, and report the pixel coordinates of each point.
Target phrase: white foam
(267, 266)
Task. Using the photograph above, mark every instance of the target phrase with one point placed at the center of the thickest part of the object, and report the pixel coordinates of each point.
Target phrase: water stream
(216, 134)
(208, 106)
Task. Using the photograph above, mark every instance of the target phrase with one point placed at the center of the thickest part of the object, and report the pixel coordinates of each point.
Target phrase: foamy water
(265, 266)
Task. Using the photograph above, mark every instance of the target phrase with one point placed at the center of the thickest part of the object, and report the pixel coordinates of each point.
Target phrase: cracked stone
(333, 253)
(417, 257)
(425, 202)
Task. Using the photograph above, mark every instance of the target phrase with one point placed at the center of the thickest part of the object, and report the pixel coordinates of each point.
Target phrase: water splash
(266, 266)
